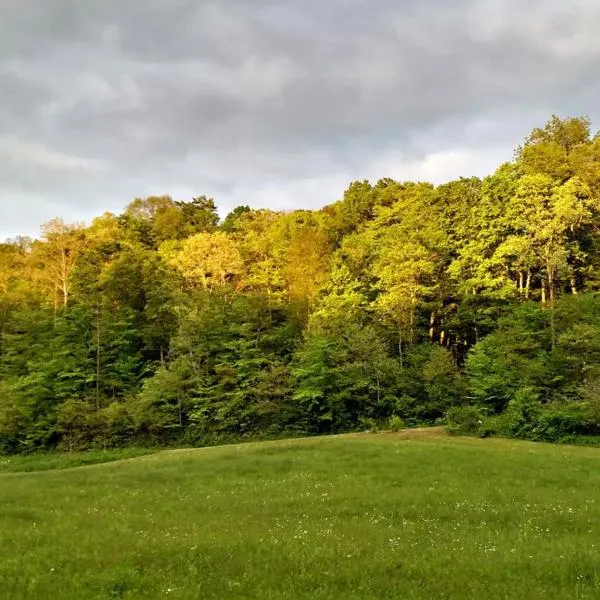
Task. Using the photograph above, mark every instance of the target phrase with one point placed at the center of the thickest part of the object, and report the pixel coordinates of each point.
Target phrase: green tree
(343, 378)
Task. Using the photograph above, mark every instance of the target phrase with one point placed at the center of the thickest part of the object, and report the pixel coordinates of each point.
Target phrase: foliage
(162, 325)
(464, 420)
(341, 378)
(396, 423)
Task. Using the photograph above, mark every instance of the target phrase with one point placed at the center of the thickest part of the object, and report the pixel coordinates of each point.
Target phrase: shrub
(114, 425)
(72, 424)
(589, 392)
(396, 423)
(529, 419)
(560, 421)
(368, 424)
(522, 414)
(464, 420)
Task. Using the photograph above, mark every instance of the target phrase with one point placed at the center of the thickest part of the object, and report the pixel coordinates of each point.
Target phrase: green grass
(377, 516)
(55, 460)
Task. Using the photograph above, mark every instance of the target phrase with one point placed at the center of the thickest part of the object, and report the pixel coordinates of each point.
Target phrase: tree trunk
(521, 284)
(527, 285)
(98, 359)
(552, 328)
(431, 326)
(543, 292)
(552, 323)
(3, 332)
(65, 279)
(55, 304)
(400, 351)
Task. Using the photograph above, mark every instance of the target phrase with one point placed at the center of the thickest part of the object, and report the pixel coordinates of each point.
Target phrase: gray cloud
(274, 103)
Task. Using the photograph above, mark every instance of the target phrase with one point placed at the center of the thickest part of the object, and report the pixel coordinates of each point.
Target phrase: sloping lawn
(360, 516)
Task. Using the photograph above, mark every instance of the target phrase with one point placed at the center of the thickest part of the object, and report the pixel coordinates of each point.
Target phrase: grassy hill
(360, 516)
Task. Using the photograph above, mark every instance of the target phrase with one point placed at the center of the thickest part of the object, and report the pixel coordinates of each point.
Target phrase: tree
(207, 259)
(344, 299)
(57, 255)
(199, 215)
(153, 220)
(16, 286)
(514, 357)
(343, 378)
(231, 221)
(307, 262)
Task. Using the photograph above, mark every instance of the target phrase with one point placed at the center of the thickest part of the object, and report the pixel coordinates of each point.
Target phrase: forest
(474, 303)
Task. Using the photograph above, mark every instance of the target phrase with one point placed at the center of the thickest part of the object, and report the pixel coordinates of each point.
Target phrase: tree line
(474, 303)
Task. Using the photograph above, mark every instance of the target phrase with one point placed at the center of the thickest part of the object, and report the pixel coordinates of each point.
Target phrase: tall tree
(57, 255)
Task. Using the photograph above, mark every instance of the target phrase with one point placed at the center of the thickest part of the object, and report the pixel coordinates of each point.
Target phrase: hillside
(474, 303)
(355, 516)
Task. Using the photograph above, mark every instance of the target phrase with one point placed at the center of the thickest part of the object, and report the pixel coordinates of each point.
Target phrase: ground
(370, 516)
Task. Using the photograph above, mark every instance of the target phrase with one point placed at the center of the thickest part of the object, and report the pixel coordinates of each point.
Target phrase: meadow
(369, 516)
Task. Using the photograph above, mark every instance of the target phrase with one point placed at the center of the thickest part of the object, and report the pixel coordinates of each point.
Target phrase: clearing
(407, 516)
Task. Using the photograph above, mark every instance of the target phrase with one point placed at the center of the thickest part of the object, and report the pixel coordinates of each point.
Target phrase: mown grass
(24, 463)
(377, 516)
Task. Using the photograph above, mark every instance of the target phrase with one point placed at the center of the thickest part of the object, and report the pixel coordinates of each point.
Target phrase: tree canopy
(402, 300)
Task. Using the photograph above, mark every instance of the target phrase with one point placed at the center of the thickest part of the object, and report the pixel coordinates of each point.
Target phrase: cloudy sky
(274, 103)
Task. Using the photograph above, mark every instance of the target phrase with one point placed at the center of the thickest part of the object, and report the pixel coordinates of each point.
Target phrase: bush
(493, 426)
(368, 424)
(114, 425)
(443, 382)
(464, 420)
(407, 407)
(396, 423)
(522, 414)
(72, 424)
(531, 420)
(589, 392)
(560, 421)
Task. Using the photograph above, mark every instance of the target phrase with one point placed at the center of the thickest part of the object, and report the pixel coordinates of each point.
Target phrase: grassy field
(24, 463)
(361, 516)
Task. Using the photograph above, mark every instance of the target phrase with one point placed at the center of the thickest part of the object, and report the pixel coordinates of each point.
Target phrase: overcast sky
(273, 103)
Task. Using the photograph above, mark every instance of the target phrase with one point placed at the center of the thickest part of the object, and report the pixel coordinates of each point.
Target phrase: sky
(273, 103)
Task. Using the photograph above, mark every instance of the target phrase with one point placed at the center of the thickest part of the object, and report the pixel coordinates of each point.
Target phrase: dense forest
(473, 303)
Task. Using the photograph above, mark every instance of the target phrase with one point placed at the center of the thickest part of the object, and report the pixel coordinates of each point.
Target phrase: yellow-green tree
(207, 260)
(56, 256)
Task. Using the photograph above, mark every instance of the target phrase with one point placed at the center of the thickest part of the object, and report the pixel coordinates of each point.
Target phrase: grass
(362, 516)
(55, 460)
